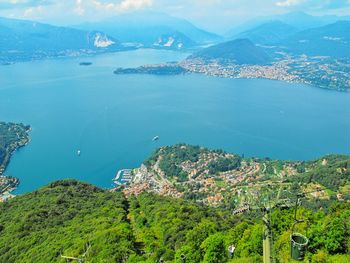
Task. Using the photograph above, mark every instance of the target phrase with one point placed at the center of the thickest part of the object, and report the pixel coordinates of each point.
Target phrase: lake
(113, 118)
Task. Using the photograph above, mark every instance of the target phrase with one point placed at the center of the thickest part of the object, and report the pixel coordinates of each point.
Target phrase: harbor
(123, 177)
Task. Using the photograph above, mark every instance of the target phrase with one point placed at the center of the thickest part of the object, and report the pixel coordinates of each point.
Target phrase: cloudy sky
(215, 15)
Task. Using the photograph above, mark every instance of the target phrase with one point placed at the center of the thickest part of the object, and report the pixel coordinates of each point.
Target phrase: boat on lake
(156, 138)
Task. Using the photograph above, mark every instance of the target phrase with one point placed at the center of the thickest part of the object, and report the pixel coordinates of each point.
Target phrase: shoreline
(280, 70)
(9, 184)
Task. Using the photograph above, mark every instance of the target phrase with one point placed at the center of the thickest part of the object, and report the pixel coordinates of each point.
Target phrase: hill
(146, 28)
(239, 51)
(330, 40)
(227, 180)
(70, 218)
(268, 33)
(26, 40)
(66, 215)
(303, 21)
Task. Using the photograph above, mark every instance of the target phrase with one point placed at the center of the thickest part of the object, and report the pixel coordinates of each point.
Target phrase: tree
(214, 249)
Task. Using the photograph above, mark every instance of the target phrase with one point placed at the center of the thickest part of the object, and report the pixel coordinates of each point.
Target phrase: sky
(214, 15)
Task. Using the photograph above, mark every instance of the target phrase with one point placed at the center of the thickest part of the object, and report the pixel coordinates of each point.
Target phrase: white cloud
(33, 12)
(313, 4)
(124, 5)
(79, 8)
(15, 2)
(288, 3)
(215, 15)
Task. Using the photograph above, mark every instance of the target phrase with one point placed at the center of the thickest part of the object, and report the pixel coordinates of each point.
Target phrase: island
(12, 137)
(85, 63)
(6, 63)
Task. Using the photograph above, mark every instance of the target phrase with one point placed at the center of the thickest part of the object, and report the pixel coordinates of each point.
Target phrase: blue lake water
(112, 119)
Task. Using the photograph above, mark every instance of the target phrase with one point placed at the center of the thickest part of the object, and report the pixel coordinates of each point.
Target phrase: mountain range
(26, 40)
(330, 40)
(21, 39)
(147, 27)
(272, 38)
(299, 33)
(293, 33)
(298, 20)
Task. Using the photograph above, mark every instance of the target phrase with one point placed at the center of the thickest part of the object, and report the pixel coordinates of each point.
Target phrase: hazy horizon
(213, 15)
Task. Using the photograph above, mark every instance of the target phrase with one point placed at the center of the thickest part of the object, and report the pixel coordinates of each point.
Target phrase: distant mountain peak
(239, 51)
(268, 33)
(102, 41)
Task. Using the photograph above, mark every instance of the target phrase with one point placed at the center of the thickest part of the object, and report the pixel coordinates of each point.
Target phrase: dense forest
(331, 171)
(75, 219)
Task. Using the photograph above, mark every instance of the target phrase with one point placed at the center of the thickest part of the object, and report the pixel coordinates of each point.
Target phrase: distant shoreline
(279, 71)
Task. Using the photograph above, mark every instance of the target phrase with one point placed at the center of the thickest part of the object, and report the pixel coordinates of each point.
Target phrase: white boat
(156, 138)
(78, 152)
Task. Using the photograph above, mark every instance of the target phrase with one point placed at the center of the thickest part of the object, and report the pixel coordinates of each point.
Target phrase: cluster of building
(6, 196)
(150, 180)
(323, 72)
(246, 173)
(7, 185)
(200, 182)
(276, 71)
(243, 184)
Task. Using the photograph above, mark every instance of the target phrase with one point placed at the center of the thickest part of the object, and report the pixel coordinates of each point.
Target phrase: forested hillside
(74, 219)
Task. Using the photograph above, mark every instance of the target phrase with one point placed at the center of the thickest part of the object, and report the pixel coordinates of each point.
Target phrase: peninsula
(12, 137)
(221, 179)
(321, 72)
(241, 58)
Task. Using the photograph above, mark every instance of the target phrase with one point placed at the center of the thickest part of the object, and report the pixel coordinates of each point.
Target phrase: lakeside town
(319, 71)
(216, 178)
(276, 71)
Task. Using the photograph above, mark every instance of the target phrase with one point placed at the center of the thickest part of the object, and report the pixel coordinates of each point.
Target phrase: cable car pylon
(298, 242)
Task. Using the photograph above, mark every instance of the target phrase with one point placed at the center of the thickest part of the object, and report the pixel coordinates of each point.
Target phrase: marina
(123, 177)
